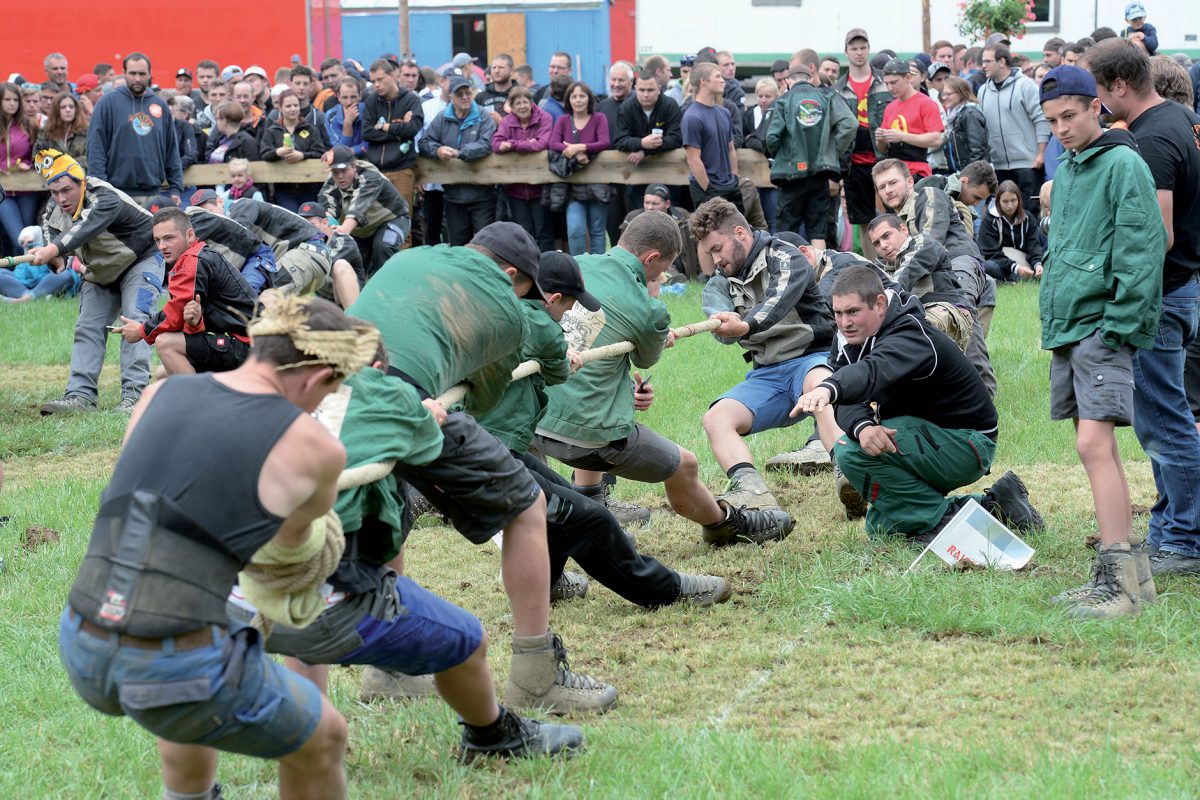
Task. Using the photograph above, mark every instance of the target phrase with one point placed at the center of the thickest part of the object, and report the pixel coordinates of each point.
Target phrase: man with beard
(131, 139)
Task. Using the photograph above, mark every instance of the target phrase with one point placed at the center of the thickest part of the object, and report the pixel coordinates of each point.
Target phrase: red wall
(622, 30)
(173, 34)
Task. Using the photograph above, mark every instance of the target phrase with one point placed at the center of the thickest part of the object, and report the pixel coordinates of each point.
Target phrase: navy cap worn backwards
(1067, 80)
(558, 273)
(202, 196)
(896, 66)
(311, 209)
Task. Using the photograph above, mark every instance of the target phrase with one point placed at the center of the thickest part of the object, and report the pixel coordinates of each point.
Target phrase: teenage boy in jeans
(1100, 299)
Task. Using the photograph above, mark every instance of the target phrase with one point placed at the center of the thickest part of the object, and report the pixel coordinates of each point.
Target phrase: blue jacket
(333, 126)
(471, 136)
(132, 144)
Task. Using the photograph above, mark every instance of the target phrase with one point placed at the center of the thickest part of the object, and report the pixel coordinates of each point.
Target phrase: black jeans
(580, 528)
(533, 217)
(1030, 182)
(435, 204)
(464, 220)
(732, 193)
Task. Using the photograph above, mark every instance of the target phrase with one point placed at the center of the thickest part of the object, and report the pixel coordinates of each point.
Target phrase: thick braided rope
(12, 261)
(303, 576)
(369, 473)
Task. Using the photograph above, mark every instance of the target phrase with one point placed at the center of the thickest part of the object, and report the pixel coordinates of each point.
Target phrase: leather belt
(192, 640)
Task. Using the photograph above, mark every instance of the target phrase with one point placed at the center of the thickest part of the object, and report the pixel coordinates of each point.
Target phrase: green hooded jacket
(1103, 266)
(810, 131)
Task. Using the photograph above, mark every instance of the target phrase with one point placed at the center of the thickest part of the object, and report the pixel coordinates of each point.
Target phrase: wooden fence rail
(608, 167)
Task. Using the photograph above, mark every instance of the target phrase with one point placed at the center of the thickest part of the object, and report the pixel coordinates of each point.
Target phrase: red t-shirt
(864, 150)
(917, 114)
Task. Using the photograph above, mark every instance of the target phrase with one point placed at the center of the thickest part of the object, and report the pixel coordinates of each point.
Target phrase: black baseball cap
(342, 157)
(513, 244)
(183, 72)
(160, 201)
(658, 190)
(559, 272)
(897, 66)
(311, 209)
(202, 196)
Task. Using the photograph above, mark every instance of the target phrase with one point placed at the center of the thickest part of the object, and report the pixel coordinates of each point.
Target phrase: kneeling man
(933, 427)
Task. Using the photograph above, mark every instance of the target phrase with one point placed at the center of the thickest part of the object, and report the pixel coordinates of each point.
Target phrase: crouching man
(202, 328)
(935, 428)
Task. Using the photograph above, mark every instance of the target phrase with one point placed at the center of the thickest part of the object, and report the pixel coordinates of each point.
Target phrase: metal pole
(405, 48)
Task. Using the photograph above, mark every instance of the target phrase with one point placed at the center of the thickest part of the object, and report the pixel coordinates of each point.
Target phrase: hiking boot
(1143, 565)
(1115, 593)
(1164, 563)
(1008, 500)
(747, 489)
(569, 586)
(540, 677)
(513, 736)
(382, 684)
(703, 590)
(811, 459)
(126, 405)
(754, 525)
(856, 506)
(70, 403)
(418, 504)
(627, 514)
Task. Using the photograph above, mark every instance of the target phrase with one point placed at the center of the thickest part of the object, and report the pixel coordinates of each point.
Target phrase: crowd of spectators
(938, 111)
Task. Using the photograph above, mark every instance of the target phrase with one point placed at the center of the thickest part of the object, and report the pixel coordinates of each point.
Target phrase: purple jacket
(594, 134)
(531, 138)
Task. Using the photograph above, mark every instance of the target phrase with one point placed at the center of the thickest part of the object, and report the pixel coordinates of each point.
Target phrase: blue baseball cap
(1135, 11)
(1067, 80)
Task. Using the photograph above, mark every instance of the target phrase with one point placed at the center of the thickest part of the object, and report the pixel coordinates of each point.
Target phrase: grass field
(828, 674)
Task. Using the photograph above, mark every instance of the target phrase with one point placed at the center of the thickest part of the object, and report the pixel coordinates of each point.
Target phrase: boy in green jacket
(1100, 298)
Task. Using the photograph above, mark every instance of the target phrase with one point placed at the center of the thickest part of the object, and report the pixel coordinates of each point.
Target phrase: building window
(1046, 13)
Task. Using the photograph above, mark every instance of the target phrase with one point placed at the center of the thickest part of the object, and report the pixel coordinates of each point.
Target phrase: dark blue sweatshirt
(132, 144)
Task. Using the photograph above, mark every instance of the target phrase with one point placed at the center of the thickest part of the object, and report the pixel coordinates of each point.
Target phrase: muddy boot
(569, 586)
(848, 496)
(628, 515)
(747, 489)
(703, 590)
(811, 459)
(1147, 592)
(541, 678)
(754, 525)
(1008, 500)
(380, 684)
(1116, 592)
(513, 736)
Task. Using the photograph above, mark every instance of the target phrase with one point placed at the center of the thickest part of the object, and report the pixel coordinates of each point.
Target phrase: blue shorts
(229, 695)
(771, 392)
(399, 627)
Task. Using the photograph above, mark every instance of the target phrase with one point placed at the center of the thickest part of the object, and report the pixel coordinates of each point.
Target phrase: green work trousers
(908, 490)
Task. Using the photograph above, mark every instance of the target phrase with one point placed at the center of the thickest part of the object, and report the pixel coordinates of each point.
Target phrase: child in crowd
(1137, 30)
(1009, 238)
(29, 282)
(241, 183)
(1100, 298)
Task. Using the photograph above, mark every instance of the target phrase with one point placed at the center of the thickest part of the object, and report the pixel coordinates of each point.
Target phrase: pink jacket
(531, 138)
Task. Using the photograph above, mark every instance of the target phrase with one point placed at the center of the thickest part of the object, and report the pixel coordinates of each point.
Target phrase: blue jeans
(229, 695)
(49, 286)
(17, 212)
(770, 204)
(586, 224)
(1165, 426)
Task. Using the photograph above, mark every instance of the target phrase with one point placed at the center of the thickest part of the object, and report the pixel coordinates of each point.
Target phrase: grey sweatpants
(133, 295)
(979, 292)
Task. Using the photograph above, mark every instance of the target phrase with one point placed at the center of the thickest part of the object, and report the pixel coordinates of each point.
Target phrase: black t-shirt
(1168, 136)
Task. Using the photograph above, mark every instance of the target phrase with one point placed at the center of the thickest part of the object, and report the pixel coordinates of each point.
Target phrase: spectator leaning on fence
(526, 129)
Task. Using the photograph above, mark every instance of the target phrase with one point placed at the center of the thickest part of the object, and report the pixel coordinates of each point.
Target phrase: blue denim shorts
(230, 695)
(771, 392)
(399, 627)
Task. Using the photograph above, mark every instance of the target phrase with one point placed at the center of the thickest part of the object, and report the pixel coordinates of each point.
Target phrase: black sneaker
(1008, 500)
(519, 737)
(754, 525)
(1164, 563)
